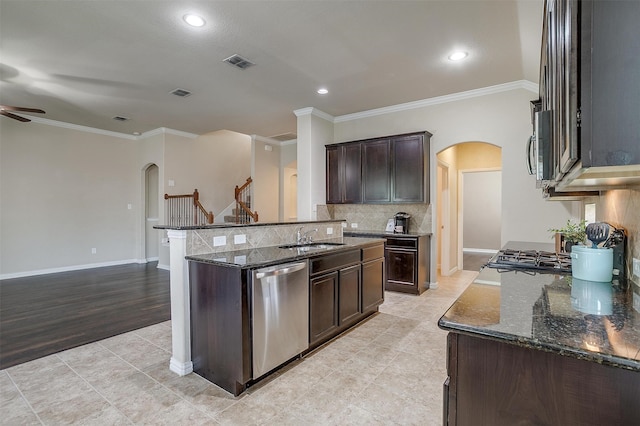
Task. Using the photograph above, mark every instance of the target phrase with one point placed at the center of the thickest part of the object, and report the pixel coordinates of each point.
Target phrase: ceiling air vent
(120, 118)
(180, 92)
(239, 62)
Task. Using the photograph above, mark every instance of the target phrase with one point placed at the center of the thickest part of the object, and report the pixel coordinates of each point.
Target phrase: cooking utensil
(597, 232)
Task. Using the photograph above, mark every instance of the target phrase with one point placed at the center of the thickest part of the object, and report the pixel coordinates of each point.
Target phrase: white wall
(315, 130)
(213, 163)
(502, 119)
(266, 179)
(64, 192)
(482, 209)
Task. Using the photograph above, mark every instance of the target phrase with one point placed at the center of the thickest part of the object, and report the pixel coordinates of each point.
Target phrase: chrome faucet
(303, 237)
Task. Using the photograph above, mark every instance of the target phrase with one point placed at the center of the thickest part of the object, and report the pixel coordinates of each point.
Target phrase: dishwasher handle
(287, 269)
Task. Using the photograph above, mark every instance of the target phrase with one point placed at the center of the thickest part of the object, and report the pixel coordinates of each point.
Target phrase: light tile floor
(388, 370)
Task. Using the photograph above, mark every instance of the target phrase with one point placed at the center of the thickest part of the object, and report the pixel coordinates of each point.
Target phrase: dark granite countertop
(381, 234)
(266, 256)
(238, 225)
(599, 322)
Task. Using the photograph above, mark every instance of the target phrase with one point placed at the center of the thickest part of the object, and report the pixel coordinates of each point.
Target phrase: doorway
(453, 163)
(151, 213)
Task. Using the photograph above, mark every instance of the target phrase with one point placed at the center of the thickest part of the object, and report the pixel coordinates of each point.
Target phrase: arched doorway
(151, 213)
(476, 166)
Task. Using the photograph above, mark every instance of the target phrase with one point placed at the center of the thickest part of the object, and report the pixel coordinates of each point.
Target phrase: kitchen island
(254, 310)
(544, 349)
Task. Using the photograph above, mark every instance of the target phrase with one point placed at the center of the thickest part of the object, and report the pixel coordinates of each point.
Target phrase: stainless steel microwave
(539, 150)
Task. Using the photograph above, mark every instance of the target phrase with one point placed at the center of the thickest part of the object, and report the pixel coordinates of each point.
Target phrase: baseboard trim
(67, 269)
(165, 267)
(180, 368)
(479, 250)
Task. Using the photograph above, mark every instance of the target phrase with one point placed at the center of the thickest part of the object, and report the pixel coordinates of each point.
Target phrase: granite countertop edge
(605, 359)
(273, 255)
(239, 225)
(384, 234)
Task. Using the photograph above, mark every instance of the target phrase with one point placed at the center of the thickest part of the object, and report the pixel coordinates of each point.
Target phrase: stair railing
(243, 203)
(186, 210)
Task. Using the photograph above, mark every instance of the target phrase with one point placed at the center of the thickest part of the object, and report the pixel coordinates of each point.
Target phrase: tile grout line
(24, 398)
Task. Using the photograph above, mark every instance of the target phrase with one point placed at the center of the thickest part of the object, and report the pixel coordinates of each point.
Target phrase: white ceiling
(85, 61)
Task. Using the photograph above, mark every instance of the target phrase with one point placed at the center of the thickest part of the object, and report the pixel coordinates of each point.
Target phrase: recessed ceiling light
(194, 20)
(322, 91)
(457, 56)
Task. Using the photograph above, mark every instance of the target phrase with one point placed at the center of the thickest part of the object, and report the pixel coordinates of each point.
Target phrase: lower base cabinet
(345, 288)
(495, 383)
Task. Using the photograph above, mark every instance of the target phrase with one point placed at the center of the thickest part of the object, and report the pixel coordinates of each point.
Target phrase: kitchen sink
(311, 246)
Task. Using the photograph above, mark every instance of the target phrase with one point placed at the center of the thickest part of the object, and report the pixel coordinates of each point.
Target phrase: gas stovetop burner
(531, 260)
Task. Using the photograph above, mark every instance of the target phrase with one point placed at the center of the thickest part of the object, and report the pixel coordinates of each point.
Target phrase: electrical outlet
(219, 241)
(636, 267)
(354, 225)
(239, 239)
(344, 224)
(329, 231)
(93, 250)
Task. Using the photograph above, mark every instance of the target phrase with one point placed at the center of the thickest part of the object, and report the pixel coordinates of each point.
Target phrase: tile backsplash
(621, 208)
(201, 241)
(374, 217)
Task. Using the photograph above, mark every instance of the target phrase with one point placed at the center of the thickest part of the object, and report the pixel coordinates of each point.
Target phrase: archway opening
(469, 205)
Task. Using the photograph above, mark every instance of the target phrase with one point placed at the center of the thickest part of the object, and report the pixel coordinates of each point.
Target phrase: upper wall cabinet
(392, 169)
(344, 170)
(590, 83)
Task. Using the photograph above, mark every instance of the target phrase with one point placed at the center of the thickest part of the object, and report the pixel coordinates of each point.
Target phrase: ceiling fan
(4, 110)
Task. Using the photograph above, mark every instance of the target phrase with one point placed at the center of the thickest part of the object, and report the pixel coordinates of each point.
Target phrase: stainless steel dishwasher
(280, 315)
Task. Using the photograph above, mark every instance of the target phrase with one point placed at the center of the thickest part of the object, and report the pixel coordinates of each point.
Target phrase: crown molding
(166, 130)
(87, 129)
(80, 128)
(314, 111)
(520, 84)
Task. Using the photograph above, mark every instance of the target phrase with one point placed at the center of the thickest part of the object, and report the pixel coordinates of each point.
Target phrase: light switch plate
(329, 231)
(636, 267)
(219, 241)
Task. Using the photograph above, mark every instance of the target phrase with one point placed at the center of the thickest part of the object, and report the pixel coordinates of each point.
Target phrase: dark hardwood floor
(45, 314)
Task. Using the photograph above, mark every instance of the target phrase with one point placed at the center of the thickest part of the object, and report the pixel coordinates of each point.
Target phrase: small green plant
(574, 232)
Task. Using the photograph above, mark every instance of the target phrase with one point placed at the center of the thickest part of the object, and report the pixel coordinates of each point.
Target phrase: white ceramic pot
(592, 297)
(592, 264)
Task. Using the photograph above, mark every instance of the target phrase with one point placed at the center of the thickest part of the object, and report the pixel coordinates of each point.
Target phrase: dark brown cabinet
(496, 383)
(344, 288)
(373, 278)
(349, 291)
(408, 170)
(323, 313)
(592, 92)
(344, 174)
(393, 169)
(407, 260)
(375, 171)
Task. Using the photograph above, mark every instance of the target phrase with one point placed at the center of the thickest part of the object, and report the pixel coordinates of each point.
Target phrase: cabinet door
(323, 315)
(401, 266)
(408, 180)
(372, 284)
(334, 193)
(376, 166)
(349, 306)
(352, 173)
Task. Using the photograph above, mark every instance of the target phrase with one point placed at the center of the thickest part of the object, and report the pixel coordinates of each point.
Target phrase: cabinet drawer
(370, 253)
(330, 262)
(408, 243)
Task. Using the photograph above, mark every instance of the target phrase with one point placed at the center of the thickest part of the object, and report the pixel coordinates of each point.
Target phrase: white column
(180, 313)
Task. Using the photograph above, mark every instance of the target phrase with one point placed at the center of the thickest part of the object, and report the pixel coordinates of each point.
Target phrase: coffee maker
(401, 223)
(618, 242)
